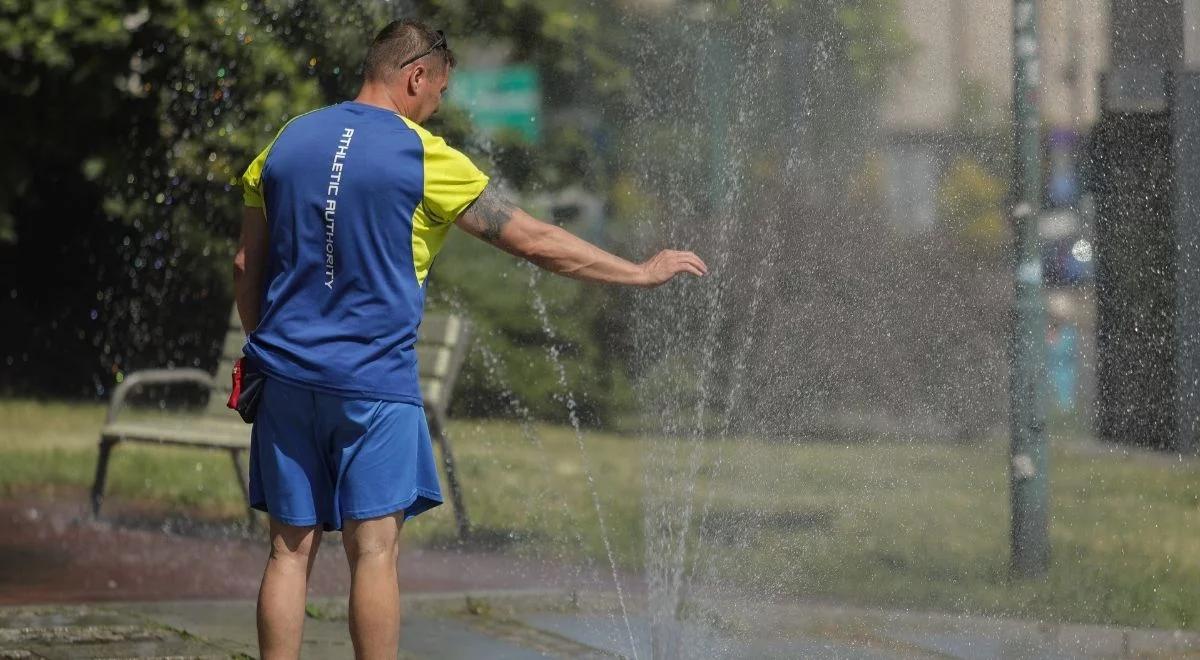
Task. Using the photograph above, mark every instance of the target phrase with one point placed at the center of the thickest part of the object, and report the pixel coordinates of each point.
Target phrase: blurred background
(826, 418)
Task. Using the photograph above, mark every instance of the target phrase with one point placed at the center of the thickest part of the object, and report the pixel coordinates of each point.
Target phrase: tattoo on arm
(490, 213)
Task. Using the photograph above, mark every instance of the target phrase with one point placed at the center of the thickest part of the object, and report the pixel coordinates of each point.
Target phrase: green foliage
(537, 347)
(134, 119)
(876, 40)
(137, 118)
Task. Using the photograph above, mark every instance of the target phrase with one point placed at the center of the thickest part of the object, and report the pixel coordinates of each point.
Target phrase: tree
(135, 120)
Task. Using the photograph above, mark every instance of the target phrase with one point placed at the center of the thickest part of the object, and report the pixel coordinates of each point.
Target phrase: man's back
(358, 201)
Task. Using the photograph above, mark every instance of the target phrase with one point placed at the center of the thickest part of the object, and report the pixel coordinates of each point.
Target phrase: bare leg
(284, 590)
(372, 546)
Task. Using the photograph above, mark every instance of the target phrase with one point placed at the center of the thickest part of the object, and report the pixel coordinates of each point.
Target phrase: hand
(665, 265)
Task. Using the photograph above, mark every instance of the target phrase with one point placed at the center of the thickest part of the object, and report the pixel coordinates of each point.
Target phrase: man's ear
(417, 78)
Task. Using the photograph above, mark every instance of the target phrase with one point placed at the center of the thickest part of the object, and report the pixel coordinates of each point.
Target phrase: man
(345, 211)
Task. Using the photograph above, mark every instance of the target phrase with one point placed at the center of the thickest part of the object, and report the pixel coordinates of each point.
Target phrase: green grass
(49, 449)
(921, 525)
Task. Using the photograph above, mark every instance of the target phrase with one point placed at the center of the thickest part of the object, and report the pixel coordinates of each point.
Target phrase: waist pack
(248, 384)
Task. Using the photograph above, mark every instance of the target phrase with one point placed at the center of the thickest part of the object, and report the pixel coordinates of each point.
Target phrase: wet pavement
(518, 625)
(157, 588)
(54, 552)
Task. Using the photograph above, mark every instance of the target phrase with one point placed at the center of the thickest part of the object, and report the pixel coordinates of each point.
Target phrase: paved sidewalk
(516, 625)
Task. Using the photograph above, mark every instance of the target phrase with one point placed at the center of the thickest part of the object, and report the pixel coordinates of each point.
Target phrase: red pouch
(236, 392)
(247, 389)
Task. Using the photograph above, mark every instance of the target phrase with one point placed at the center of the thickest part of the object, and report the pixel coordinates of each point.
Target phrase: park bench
(441, 349)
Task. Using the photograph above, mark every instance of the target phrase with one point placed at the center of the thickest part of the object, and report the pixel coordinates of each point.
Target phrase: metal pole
(718, 68)
(1028, 475)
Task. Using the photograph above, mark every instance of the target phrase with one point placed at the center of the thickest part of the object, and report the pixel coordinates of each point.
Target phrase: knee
(372, 544)
(293, 548)
(372, 549)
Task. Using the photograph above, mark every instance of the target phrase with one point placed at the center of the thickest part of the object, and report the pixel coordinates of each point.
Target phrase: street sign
(509, 97)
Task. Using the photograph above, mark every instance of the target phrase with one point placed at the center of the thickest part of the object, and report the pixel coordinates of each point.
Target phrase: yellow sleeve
(452, 182)
(252, 179)
(252, 193)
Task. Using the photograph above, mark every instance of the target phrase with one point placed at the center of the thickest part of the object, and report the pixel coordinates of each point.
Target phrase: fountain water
(750, 134)
(539, 304)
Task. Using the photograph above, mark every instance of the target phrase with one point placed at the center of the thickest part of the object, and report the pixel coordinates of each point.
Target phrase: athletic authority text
(331, 192)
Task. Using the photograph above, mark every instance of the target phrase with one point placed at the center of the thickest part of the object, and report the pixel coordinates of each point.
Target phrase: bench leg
(460, 512)
(106, 447)
(240, 469)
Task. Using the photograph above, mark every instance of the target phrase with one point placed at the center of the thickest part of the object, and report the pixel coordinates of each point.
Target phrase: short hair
(398, 41)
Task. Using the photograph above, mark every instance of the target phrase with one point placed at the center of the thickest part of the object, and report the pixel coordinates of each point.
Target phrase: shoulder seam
(302, 114)
(279, 133)
(414, 126)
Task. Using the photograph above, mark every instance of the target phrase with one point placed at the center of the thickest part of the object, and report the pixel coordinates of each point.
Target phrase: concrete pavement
(537, 624)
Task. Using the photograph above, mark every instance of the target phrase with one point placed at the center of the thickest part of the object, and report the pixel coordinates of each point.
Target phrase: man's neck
(377, 95)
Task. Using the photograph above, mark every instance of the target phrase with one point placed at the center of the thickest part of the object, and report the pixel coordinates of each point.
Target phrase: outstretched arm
(494, 219)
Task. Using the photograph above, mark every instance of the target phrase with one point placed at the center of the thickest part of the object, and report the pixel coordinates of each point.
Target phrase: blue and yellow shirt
(358, 201)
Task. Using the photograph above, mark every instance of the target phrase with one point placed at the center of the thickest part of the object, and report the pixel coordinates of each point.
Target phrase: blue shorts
(317, 458)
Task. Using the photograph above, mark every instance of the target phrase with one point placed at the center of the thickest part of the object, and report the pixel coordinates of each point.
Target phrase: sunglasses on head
(440, 42)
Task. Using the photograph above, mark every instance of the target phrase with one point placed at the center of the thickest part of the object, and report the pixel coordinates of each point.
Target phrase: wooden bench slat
(216, 407)
(440, 329)
(433, 361)
(202, 432)
(432, 391)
